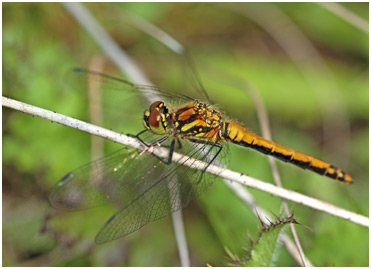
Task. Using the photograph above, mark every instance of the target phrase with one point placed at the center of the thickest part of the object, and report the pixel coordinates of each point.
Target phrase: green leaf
(261, 253)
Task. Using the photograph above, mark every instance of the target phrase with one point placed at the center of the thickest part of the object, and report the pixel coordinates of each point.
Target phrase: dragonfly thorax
(157, 118)
(198, 120)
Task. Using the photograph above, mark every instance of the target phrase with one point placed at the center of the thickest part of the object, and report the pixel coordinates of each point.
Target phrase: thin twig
(155, 32)
(95, 108)
(346, 15)
(107, 44)
(213, 169)
(266, 132)
(177, 217)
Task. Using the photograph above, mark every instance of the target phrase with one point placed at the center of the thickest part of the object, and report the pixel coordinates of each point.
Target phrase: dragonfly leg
(171, 150)
(158, 143)
(212, 144)
(179, 145)
(137, 136)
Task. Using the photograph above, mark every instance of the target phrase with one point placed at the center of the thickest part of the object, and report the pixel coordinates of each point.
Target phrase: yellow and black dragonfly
(148, 187)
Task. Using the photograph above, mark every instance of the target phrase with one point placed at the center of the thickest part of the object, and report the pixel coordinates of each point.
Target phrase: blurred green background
(316, 97)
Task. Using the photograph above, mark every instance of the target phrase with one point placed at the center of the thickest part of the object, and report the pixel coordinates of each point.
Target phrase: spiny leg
(137, 136)
(158, 143)
(212, 144)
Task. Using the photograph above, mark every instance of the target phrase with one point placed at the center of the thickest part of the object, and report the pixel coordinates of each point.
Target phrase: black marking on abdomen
(282, 157)
(318, 170)
(335, 174)
(304, 165)
(256, 147)
(267, 151)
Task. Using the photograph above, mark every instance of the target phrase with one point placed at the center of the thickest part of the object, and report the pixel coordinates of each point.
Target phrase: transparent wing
(193, 76)
(171, 190)
(145, 188)
(111, 82)
(100, 182)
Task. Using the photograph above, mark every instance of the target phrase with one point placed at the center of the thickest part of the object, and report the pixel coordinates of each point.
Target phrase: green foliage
(262, 251)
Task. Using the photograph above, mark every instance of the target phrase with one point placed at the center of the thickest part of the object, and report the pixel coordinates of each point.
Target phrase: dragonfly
(147, 187)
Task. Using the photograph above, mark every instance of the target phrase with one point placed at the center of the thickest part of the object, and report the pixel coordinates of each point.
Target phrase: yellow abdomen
(239, 135)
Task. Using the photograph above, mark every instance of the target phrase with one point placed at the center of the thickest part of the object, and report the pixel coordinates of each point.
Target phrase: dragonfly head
(157, 118)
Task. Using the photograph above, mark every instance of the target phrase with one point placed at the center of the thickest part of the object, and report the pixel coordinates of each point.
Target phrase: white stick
(216, 170)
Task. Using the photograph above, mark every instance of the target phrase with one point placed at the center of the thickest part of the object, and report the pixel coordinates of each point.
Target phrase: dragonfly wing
(170, 191)
(103, 181)
(143, 187)
(115, 83)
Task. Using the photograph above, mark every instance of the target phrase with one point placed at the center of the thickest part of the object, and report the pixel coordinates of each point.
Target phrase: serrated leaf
(262, 251)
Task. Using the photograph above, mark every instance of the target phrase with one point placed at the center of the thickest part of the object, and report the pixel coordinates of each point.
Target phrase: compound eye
(154, 118)
(154, 106)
